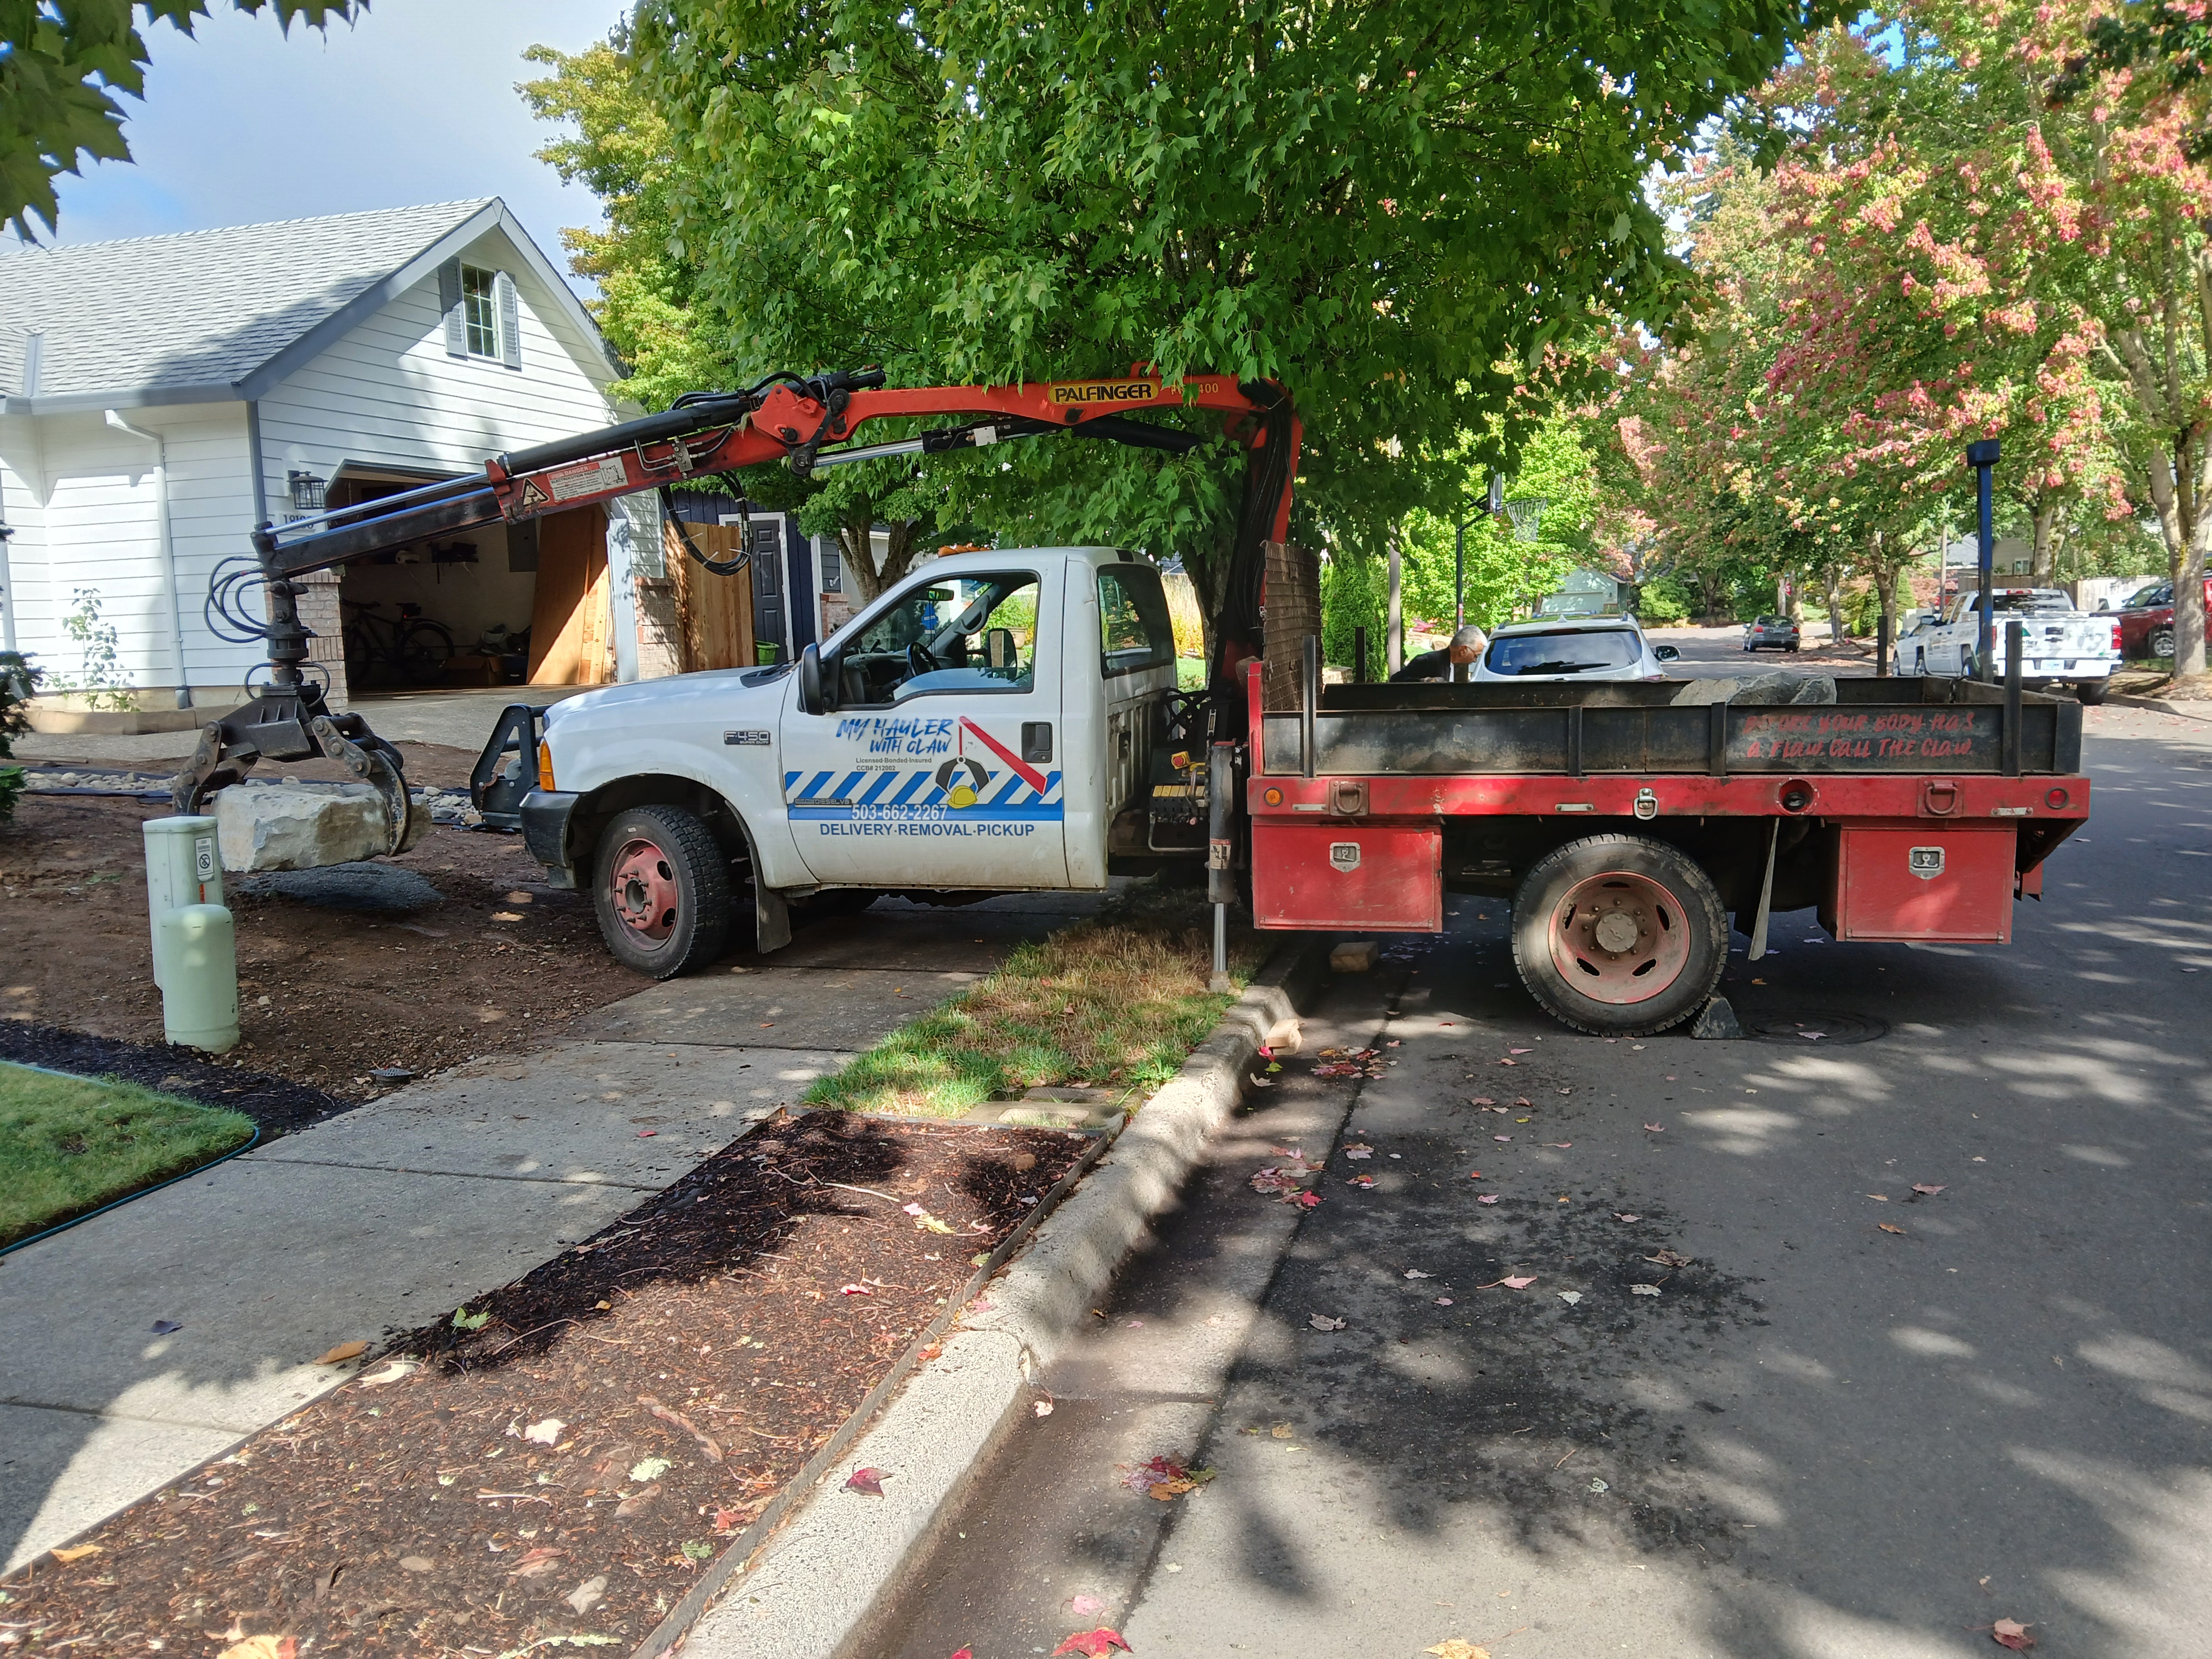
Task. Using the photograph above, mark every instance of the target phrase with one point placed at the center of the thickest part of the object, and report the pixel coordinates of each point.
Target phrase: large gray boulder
(297, 826)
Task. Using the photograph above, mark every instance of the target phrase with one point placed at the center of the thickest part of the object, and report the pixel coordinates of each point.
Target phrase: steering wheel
(918, 659)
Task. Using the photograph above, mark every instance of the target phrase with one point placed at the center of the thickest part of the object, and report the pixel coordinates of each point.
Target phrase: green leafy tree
(19, 680)
(1390, 210)
(62, 63)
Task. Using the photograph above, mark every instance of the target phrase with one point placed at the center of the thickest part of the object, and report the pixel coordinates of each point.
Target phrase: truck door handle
(1036, 741)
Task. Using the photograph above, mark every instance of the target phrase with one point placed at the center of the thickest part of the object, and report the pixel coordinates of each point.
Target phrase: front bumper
(545, 815)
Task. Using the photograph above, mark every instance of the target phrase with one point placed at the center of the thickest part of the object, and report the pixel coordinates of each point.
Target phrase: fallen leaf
(1670, 1258)
(650, 1469)
(1282, 1431)
(1093, 1643)
(1456, 1648)
(1358, 1149)
(1024, 1162)
(2010, 1633)
(1501, 1137)
(1656, 1129)
(538, 1563)
(587, 1594)
(1571, 1297)
(65, 1556)
(1561, 1145)
(1487, 1198)
(343, 1352)
(1415, 1273)
(646, 1134)
(1361, 1181)
(163, 1326)
(392, 1373)
(1304, 1201)
(1517, 1284)
(855, 1290)
(1041, 1408)
(1924, 1190)
(1517, 1051)
(263, 1647)
(1889, 1227)
(1619, 1217)
(1878, 1198)
(1509, 1062)
(545, 1433)
(1597, 1485)
(1482, 1100)
(1443, 1302)
(1644, 1290)
(416, 1564)
(1323, 1323)
(869, 1483)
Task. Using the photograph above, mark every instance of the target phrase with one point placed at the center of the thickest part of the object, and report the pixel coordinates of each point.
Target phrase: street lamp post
(1983, 457)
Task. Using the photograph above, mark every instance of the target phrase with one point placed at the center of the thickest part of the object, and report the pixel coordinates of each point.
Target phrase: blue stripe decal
(815, 788)
(1007, 796)
(884, 780)
(790, 778)
(844, 789)
(1041, 812)
(912, 784)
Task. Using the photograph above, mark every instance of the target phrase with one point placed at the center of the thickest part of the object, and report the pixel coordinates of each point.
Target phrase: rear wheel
(662, 889)
(2161, 642)
(2092, 692)
(1619, 935)
(425, 648)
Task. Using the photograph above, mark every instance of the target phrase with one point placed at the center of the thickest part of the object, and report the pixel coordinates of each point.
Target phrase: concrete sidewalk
(401, 1211)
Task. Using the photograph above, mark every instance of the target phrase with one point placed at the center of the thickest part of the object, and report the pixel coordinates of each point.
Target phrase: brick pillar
(318, 610)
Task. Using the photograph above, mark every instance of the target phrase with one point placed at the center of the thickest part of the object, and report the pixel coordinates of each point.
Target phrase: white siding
(89, 493)
(388, 395)
(81, 496)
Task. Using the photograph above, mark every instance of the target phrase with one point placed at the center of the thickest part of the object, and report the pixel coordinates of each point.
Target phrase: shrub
(18, 681)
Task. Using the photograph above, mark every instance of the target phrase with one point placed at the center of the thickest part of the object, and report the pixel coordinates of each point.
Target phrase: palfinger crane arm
(809, 422)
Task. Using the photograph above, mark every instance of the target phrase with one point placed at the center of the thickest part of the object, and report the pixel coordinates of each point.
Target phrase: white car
(2060, 645)
(1589, 648)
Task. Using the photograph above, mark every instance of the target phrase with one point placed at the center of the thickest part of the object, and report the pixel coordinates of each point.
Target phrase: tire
(2161, 642)
(1657, 978)
(425, 648)
(2092, 692)
(661, 886)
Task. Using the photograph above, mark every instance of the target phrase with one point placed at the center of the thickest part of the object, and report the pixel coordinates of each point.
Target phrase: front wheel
(661, 886)
(1618, 935)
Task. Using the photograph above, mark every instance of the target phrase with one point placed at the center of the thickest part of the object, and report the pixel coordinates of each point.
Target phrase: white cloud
(415, 103)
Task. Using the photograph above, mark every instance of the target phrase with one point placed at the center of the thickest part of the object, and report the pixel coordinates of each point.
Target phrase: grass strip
(1114, 1002)
(71, 1144)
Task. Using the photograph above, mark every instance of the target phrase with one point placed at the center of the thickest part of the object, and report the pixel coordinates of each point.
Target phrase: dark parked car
(1770, 633)
(2146, 623)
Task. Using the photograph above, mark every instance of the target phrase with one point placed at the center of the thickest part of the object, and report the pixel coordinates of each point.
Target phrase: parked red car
(2146, 622)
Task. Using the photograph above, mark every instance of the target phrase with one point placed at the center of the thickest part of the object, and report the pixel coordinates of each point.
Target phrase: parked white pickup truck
(2060, 644)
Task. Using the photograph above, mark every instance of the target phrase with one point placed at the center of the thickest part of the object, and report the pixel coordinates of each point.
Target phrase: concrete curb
(811, 1591)
(2159, 705)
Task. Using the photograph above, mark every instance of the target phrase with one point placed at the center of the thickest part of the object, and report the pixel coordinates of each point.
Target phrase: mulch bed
(277, 1104)
(560, 1474)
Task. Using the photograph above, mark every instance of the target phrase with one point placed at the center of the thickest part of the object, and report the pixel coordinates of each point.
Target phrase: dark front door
(771, 623)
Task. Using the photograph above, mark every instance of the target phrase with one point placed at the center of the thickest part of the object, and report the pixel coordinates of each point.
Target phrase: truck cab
(977, 728)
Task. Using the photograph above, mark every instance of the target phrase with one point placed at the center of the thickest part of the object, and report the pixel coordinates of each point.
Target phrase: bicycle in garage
(411, 648)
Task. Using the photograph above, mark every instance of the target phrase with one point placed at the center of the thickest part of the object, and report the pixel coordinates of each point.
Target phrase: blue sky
(415, 103)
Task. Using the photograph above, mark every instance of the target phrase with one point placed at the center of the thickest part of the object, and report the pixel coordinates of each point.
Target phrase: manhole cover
(1810, 1030)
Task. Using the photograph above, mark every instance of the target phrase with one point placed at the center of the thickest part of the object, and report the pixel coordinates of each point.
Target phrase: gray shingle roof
(201, 312)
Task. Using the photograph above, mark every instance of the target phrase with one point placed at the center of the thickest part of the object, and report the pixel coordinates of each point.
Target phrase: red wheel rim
(641, 888)
(1619, 938)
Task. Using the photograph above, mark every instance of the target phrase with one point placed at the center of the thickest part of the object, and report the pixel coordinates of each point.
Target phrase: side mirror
(1666, 652)
(812, 696)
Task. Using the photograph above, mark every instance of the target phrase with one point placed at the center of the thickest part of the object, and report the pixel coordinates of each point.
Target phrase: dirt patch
(492, 961)
(571, 1456)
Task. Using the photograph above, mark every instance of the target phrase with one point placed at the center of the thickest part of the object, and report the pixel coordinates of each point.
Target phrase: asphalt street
(1929, 1347)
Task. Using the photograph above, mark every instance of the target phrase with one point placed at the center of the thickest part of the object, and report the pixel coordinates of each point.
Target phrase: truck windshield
(2030, 604)
(1567, 651)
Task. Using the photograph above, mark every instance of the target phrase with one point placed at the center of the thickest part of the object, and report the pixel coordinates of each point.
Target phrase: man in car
(1465, 650)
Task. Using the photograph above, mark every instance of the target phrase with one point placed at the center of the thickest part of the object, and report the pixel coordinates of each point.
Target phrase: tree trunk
(2045, 564)
(1835, 605)
(856, 539)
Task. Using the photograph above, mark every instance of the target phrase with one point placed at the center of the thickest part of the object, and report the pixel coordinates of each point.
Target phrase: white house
(161, 395)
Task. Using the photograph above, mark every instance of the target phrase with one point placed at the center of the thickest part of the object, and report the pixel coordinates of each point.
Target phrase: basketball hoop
(1526, 513)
